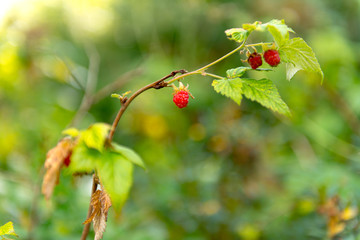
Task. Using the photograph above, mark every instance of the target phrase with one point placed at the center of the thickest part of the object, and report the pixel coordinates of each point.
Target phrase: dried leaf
(99, 224)
(335, 227)
(100, 202)
(53, 163)
(96, 206)
(105, 202)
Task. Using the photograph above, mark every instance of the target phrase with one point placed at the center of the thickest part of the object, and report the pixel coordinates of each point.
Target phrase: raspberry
(255, 60)
(181, 98)
(67, 160)
(272, 57)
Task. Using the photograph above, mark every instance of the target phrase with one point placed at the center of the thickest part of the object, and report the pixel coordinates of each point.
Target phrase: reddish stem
(157, 85)
(125, 103)
(87, 226)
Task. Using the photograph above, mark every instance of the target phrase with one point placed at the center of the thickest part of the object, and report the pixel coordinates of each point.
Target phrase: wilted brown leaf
(53, 163)
(100, 202)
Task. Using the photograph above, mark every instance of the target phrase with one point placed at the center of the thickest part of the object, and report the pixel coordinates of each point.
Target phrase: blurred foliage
(215, 170)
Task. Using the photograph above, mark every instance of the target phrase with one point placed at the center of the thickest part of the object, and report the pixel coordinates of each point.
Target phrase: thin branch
(94, 63)
(258, 44)
(161, 83)
(72, 74)
(157, 85)
(117, 84)
(93, 190)
(212, 75)
(104, 92)
(202, 69)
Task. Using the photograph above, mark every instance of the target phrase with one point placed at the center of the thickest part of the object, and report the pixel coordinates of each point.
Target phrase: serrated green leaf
(229, 87)
(237, 34)
(300, 57)
(277, 28)
(95, 136)
(128, 154)
(279, 25)
(7, 229)
(251, 26)
(278, 37)
(265, 92)
(116, 175)
(83, 158)
(114, 167)
(72, 132)
(236, 72)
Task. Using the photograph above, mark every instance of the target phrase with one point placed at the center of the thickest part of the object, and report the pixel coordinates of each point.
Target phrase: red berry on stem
(272, 57)
(181, 98)
(67, 160)
(255, 60)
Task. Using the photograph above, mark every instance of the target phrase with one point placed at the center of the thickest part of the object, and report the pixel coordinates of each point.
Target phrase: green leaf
(116, 175)
(265, 92)
(7, 229)
(72, 132)
(251, 26)
(229, 87)
(237, 72)
(237, 34)
(83, 158)
(114, 167)
(278, 37)
(128, 154)
(95, 136)
(279, 25)
(300, 57)
(277, 28)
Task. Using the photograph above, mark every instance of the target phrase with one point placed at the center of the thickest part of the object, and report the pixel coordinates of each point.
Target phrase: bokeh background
(215, 170)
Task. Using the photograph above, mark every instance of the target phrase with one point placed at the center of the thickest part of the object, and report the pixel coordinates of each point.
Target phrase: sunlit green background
(215, 170)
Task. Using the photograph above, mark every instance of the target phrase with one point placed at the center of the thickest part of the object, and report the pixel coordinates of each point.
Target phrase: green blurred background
(215, 170)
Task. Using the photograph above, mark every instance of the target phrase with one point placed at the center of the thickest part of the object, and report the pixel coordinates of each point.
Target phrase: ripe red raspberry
(255, 60)
(272, 57)
(67, 160)
(181, 98)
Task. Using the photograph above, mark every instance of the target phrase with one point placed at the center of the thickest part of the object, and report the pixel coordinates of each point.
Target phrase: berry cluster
(270, 56)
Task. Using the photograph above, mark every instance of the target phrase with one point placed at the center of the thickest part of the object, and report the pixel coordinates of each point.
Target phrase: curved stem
(258, 44)
(212, 75)
(160, 84)
(157, 85)
(200, 70)
(87, 226)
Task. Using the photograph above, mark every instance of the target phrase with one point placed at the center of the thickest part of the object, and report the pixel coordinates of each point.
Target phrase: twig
(94, 62)
(117, 84)
(157, 85)
(72, 74)
(87, 226)
(104, 92)
(161, 83)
